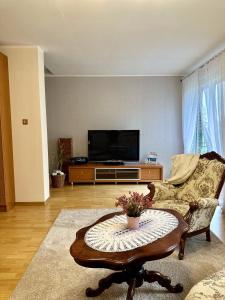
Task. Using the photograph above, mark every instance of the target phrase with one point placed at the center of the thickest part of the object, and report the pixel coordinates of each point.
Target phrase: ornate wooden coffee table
(129, 263)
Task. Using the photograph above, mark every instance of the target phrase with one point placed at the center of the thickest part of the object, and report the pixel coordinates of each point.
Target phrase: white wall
(43, 124)
(27, 97)
(151, 104)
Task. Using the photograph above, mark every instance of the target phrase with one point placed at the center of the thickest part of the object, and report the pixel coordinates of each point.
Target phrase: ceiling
(116, 37)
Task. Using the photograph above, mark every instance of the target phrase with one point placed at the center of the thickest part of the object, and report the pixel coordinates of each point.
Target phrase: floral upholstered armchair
(197, 198)
(210, 288)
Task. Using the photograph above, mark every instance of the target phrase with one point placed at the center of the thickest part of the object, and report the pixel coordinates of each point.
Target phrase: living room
(134, 91)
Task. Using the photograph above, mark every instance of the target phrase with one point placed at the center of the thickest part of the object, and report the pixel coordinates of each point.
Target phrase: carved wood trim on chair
(193, 206)
(151, 188)
(213, 155)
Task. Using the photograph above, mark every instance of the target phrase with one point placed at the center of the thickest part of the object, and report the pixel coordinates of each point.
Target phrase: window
(204, 108)
(209, 100)
(202, 124)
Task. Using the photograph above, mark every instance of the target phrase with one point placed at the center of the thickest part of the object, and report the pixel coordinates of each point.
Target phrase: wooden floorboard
(24, 227)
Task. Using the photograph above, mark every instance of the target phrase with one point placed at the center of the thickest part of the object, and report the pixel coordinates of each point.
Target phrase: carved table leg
(208, 237)
(181, 248)
(164, 281)
(131, 289)
(106, 282)
(134, 277)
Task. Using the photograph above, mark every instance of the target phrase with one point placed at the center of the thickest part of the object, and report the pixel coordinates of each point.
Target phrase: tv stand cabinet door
(81, 174)
(148, 174)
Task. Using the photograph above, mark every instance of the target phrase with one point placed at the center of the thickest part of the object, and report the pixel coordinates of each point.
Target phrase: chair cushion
(212, 287)
(204, 181)
(178, 205)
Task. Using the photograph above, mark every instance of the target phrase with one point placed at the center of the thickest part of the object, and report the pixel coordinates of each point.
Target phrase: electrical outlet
(25, 121)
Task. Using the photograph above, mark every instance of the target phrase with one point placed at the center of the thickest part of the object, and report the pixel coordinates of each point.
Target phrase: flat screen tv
(113, 145)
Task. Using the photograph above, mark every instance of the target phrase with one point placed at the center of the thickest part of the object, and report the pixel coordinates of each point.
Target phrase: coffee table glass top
(112, 234)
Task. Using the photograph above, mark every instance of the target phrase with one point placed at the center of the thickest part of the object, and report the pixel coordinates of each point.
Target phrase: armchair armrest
(162, 191)
(200, 213)
(203, 203)
(151, 188)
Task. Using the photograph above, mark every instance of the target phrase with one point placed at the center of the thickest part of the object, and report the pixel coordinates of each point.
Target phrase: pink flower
(134, 204)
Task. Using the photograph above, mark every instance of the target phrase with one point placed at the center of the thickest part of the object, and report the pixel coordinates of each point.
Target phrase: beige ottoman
(212, 287)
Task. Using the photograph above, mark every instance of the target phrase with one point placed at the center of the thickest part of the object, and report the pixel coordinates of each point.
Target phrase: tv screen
(106, 145)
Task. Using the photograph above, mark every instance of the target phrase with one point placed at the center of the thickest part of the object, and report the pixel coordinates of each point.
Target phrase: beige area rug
(53, 274)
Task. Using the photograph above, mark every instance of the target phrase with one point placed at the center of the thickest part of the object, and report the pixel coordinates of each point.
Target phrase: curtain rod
(204, 64)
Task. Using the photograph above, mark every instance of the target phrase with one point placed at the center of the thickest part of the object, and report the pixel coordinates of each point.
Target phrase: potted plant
(58, 179)
(133, 206)
(57, 176)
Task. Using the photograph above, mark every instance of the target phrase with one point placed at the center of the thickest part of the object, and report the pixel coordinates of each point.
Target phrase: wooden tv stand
(91, 172)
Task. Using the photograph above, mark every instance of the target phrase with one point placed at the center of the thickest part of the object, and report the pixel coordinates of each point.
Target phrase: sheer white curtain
(190, 109)
(212, 104)
(204, 109)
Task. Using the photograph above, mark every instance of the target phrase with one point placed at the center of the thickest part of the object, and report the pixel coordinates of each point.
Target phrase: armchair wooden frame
(193, 206)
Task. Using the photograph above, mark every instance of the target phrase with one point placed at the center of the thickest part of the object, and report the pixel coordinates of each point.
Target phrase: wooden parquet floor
(24, 227)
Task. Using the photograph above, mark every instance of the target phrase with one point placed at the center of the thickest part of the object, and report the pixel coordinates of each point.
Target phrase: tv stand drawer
(81, 175)
(151, 174)
(117, 174)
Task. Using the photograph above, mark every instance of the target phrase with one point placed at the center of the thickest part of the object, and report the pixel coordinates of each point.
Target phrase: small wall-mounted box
(25, 121)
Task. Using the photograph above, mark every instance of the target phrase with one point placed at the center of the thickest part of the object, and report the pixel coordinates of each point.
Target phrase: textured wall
(151, 104)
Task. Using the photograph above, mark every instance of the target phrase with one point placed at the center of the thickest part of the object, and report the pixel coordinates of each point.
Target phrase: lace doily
(112, 235)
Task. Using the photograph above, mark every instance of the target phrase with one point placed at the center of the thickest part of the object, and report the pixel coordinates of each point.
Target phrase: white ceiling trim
(152, 75)
(205, 59)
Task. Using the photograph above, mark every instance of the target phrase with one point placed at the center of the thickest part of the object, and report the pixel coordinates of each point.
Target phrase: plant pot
(133, 222)
(58, 181)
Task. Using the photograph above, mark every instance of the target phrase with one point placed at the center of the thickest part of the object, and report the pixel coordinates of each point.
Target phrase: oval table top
(88, 257)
